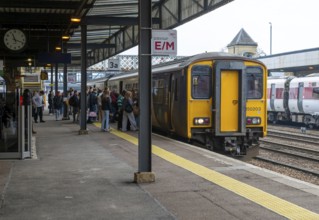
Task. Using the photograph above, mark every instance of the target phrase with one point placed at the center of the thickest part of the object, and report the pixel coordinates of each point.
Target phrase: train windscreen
(254, 84)
(201, 81)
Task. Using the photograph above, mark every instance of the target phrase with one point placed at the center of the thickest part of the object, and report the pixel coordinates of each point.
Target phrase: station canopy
(112, 25)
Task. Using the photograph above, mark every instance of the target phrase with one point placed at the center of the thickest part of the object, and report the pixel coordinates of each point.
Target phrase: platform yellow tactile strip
(271, 202)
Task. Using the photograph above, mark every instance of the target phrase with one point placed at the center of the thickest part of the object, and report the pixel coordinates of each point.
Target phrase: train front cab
(234, 114)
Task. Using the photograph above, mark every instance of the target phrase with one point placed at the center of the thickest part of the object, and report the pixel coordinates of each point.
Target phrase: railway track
(309, 139)
(291, 166)
(295, 158)
(291, 153)
(306, 153)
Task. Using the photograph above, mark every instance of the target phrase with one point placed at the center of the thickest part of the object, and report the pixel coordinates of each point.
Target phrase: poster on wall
(71, 78)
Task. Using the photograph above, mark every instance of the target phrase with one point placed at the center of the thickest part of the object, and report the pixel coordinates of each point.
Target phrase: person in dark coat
(50, 100)
(75, 106)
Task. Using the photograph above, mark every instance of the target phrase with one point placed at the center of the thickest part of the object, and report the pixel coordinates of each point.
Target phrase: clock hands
(15, 40)
(19, 41)
(14, 37)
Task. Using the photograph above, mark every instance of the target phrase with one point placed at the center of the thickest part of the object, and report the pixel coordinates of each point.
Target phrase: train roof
(313, 75)
(217, 56)
(102, 79)
(280, 77)
(183, 62)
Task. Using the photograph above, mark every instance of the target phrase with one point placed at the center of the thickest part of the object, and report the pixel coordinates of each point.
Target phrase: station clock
(15, 40)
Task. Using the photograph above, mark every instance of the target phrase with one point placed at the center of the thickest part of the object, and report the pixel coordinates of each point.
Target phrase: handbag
(92, 114)
(136, 110)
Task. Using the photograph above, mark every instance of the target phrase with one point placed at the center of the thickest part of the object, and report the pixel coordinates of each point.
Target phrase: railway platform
(73, 176)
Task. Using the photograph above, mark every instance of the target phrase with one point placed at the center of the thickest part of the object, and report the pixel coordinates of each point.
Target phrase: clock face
(15, 39)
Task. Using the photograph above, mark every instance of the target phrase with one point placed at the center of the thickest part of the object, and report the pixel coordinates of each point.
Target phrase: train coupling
(232, 147)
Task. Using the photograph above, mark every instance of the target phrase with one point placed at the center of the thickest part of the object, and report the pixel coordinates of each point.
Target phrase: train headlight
(253, 121)
(201, 121)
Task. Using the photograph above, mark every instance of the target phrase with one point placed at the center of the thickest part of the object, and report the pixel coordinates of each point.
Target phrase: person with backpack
(114, 106)
(128, 113)
(58, 105)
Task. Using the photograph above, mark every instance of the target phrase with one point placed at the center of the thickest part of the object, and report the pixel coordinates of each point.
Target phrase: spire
(242, 38)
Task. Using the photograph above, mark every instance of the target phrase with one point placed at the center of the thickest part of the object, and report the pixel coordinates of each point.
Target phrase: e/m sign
(164, 42)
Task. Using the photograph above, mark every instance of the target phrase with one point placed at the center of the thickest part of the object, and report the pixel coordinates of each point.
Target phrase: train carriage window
(315, 93)
(201, 81)
(254, 84)
(279, 93)
(158, 92)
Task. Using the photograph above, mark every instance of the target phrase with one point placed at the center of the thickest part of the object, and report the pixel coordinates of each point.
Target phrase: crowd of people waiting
(104, 106)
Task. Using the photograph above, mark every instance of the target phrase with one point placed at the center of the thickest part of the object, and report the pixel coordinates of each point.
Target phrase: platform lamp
(76, 19)
(65, 37)
(58, 48)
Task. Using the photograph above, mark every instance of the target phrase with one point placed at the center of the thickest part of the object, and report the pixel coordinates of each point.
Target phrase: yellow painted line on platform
(271, 202)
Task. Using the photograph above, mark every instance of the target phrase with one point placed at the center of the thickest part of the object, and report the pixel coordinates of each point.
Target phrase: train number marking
(253, 109)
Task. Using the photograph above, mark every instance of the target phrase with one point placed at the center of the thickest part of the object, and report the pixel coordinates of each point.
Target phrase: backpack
(57, 100)
(106, 103)
(72, 101)
(113, 98)
(128, 107)
(120, 101)
(93, 99)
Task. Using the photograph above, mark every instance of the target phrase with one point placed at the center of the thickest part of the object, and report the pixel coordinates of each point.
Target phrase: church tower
(243, 45)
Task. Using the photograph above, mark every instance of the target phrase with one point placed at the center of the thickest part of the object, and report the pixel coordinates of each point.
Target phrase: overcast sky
(294, 26)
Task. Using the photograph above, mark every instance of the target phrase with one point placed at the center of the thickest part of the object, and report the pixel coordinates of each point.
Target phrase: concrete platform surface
(91, 177)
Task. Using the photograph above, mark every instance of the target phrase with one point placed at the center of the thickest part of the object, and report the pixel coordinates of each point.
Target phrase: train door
(272, 96)
(230, 98)
(172, 98)
(300, 96)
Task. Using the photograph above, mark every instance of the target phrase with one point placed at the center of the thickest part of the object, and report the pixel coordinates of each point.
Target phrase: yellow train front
(217, 99)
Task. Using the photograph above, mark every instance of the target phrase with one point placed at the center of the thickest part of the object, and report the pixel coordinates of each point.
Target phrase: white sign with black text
(114, 64)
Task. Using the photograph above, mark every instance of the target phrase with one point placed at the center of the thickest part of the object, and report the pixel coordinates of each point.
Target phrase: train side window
(254, 88)
(201, 81)
(315, 93)
(279, 93)
(158, 91)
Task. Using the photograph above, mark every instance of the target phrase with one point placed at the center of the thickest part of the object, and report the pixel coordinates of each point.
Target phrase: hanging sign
(44, 75)
(114, 64)
(71, 78)
(164, 42)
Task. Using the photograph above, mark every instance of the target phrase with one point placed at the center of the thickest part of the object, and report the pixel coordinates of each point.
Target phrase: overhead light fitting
(76, 19)
(65, 37)
(58, 48)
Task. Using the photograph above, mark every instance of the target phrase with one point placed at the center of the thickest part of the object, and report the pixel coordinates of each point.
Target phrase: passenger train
(294, 99)
(217, 99)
